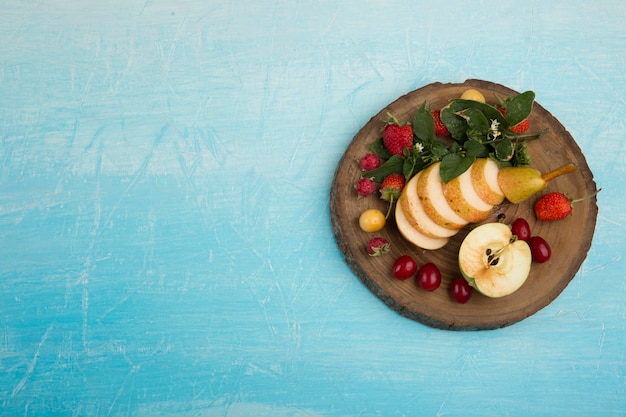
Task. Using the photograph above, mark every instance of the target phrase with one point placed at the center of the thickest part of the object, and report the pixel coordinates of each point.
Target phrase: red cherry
(429, 277)
(460, 290)
(521, 229)
(540, 249)
(404, 267)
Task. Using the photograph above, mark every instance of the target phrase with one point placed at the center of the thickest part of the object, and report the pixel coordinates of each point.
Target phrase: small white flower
(494, 128)
(419, 147)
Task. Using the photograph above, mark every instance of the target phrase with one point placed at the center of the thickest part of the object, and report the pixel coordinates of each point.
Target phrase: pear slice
(464, 200)
(416, 215)
(413, 235)
(430, 193)
(484, 172)
(492, 262)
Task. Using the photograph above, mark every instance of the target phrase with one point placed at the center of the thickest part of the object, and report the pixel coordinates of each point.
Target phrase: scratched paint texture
(166, 247)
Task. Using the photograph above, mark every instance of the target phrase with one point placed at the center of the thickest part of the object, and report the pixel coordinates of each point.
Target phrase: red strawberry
(392, 186)
(556, 206)
(519, 128)
(396, 137)
(378, 246)
(370, 161)
(553, 206)
(440, 128)
(365, 187)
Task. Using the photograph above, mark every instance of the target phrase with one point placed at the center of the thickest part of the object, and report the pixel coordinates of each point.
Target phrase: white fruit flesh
(430, 192)
(484, 173)
(463, 199)
(413, 235)
(508, 273)
(415, 214)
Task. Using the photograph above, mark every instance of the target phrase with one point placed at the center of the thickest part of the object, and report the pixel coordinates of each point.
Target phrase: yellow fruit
(472, 94)
(372, 220)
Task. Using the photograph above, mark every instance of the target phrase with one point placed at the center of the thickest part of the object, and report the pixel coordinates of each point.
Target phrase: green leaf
(474, 149)
(521, 156)
(424, 124)
(457, 126)
(390, 166)
(453, 165)
(504, 150)
(412, 166)
(519, 107)
(490, 112)
(475, 119)
(470, 118)
(438, 150)
(378, 148)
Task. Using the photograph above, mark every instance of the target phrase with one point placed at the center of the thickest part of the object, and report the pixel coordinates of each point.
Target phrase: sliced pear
(484, 173)
(415, 214)
(464, 200)
(430, 193)
(413, 235)
(493, 263)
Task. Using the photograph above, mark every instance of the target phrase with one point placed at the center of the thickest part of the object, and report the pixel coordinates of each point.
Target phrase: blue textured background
(166, 249)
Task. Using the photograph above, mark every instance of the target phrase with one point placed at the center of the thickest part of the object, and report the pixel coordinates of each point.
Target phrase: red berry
(404, 267)
(460, 290)
(540, 249)
(521, 229)
(370, 161)
(397, 137)
(378, 246)
(429, 277)
(521, 127)
(440, 128)
(365, 187)
(392, 186)
(553, 206)
(556, 206)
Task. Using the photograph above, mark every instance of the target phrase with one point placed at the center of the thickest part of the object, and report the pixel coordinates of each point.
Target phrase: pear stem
(565, 169)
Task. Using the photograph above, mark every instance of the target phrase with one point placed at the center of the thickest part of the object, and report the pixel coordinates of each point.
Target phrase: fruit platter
(464, 206)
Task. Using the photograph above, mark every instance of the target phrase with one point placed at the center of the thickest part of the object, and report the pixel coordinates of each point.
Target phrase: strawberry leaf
(504, 150)
(439, 150)
(456, 125)
(378, 148)
(462, 115)
(412, 166)
(424, 125)
(519, 107)
(474, 149)
(453, 165)
(395, 164)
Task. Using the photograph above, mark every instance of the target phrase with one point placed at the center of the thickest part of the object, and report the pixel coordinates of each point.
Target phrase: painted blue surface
(166, 247)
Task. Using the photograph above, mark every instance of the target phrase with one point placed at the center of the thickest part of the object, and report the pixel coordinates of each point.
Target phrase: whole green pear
(522, 182)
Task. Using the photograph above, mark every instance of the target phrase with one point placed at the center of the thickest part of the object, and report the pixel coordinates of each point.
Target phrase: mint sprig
(477, 130)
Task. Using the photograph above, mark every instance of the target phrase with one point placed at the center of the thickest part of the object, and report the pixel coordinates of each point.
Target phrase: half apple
(494, 262)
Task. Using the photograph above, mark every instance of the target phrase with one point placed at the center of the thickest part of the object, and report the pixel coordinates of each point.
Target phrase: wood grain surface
(570, 238)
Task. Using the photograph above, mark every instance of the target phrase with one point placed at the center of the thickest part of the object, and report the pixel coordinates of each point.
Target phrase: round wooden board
(569, 238)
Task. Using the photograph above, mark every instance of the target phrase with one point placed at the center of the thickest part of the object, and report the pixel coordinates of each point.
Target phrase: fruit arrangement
(446, 175)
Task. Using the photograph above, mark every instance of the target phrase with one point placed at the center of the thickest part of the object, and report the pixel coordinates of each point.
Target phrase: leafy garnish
(477, 130)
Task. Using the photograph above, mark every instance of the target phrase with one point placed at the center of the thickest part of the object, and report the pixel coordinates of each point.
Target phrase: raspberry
(370, 161)
(365, 187)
